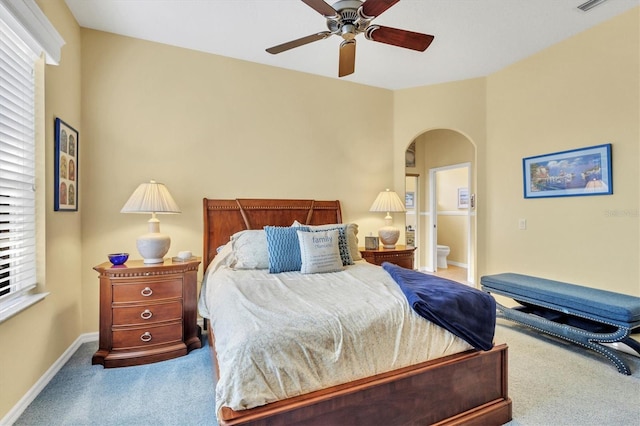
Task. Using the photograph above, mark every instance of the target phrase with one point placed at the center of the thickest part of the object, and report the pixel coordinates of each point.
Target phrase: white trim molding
(26, 19)
(19, 304)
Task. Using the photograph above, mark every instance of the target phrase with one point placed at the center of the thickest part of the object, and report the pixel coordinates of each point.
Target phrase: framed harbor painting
(584, 171)
(66, 167)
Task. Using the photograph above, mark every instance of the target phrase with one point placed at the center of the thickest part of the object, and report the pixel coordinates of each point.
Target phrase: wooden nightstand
(147, 312)
(401, 256)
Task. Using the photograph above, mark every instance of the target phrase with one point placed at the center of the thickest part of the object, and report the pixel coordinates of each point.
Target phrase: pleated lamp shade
(152, 197)
(388, 201)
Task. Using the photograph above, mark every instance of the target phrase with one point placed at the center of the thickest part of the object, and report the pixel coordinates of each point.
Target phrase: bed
(463, 386)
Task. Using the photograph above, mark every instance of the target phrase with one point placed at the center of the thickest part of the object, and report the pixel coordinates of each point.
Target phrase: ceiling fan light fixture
(348, 32)
(590, 4)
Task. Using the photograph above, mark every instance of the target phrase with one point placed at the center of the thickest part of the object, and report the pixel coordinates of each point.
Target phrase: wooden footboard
(468, 388)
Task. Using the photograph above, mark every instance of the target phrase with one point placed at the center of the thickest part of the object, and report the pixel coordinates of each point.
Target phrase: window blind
(17, 166)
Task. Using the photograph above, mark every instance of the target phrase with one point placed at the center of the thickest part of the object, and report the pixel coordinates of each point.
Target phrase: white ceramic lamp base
(389, 236)
(153, 246)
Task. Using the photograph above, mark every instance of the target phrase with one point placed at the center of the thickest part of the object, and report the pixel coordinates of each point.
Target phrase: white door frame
(416, 211)
(433, 229)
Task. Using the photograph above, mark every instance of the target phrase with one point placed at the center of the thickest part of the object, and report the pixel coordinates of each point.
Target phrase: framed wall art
(463, 198)
(584, 171)
(66, 167)
(409, 200)
(410, 155)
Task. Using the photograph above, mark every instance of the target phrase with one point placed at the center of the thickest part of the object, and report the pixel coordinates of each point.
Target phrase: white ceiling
(473, 38)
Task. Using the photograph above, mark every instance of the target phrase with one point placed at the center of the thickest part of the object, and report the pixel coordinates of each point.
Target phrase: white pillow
(250, 249)
(319, 251)
(351, 233)
(224, 257)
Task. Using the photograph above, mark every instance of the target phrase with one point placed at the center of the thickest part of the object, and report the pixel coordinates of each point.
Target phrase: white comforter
(282, 335)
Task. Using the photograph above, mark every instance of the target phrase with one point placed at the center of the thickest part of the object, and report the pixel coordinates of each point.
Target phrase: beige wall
(209, 126)
(35, 338)
(582, 92)
(217, 127)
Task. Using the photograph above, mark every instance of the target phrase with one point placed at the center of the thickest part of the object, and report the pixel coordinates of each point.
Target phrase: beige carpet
(553, 382)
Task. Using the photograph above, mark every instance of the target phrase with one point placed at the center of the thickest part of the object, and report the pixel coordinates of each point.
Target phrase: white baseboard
(13, 415)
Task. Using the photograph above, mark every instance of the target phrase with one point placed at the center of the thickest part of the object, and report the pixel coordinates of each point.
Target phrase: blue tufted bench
(582, 315)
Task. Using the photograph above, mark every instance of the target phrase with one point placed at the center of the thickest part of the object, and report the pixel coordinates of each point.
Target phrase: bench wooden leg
(586, 338)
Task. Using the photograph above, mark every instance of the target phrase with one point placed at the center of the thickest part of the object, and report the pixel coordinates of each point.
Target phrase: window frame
(41, 42)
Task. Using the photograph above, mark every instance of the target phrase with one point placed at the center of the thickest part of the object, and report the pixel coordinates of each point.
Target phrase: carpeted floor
(553, 382)
(174, 392)
(550, 382)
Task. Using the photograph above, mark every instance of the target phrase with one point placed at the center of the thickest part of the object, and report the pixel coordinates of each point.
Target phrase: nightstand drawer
(405, 262)
(147, 314)
(146, 291)
(401, 256)
(147, 336)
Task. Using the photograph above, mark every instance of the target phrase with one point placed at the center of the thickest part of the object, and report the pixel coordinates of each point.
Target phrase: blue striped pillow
(284, 248)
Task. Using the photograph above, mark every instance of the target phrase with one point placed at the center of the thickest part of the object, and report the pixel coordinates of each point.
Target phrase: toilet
(442, 252)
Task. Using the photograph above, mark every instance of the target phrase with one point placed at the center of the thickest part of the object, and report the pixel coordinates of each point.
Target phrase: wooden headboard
(223, 218)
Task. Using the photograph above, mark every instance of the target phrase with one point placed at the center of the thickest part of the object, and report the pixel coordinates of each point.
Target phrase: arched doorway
(445, 211)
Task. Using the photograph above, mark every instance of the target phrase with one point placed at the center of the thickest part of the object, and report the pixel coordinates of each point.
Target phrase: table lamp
(152, 197)
(388, 201)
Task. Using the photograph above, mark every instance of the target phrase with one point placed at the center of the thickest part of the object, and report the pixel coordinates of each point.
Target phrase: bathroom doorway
(450, 231)
(443, 149)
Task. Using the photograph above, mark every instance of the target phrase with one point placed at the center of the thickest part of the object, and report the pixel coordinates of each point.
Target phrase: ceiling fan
(347, 19)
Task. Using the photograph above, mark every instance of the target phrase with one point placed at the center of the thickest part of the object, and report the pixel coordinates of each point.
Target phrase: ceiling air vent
(590, 4)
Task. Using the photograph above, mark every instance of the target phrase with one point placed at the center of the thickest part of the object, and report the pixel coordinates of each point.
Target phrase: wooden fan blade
(400, 38)
(298, 42)
(347, 58)
(372, 8)
(321, 7)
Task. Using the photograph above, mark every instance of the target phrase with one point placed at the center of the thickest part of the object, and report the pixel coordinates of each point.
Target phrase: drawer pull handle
(146, 292)
(146, 337)
(146, 314)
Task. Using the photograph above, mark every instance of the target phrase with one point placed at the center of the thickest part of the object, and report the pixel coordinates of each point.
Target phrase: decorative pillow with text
(319, 251)
(349, 251)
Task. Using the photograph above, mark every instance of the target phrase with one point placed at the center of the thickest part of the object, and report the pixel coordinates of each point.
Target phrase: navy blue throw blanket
(466, 312)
